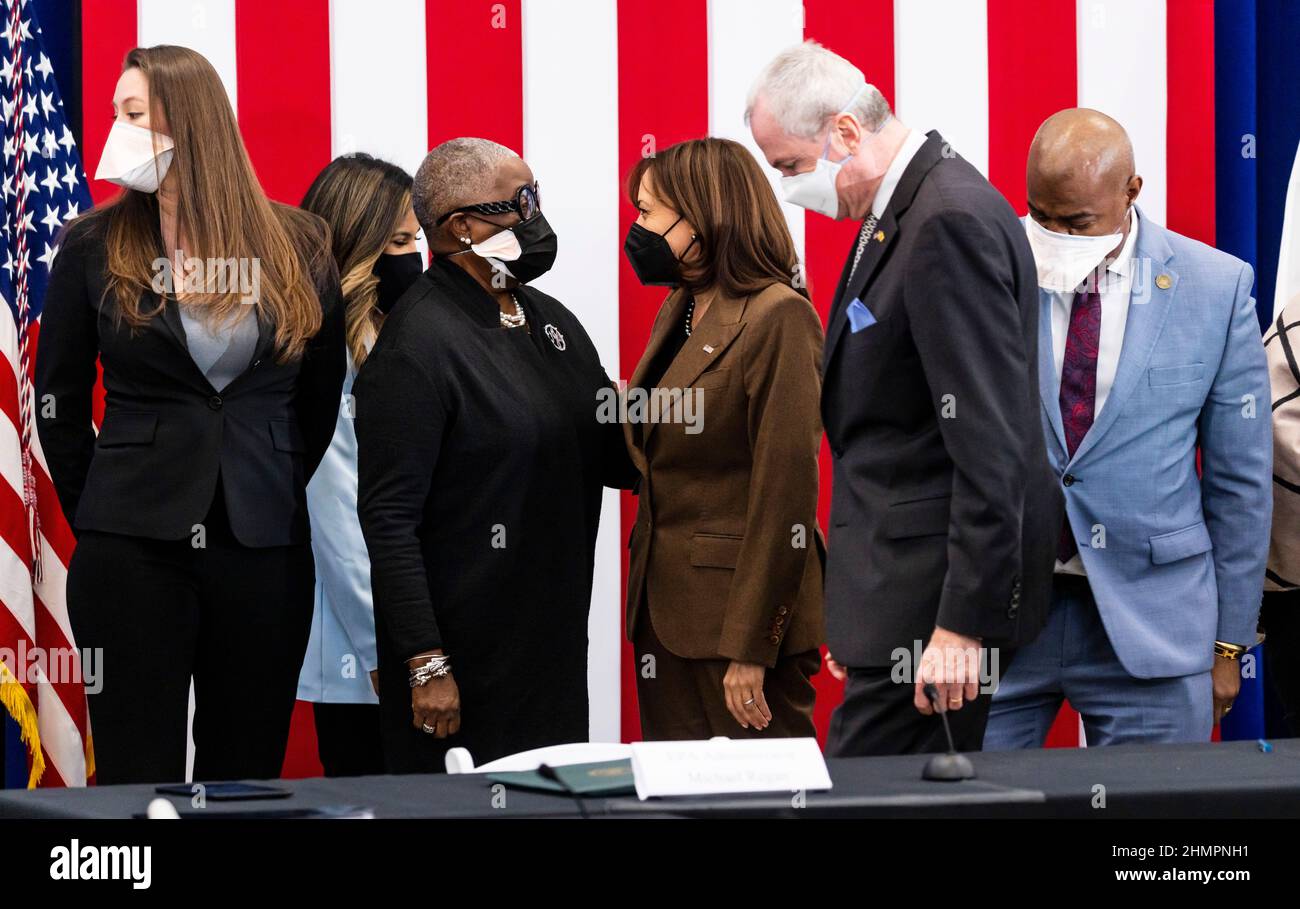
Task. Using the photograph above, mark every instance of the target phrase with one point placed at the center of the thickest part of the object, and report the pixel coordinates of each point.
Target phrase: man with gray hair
(944, 510)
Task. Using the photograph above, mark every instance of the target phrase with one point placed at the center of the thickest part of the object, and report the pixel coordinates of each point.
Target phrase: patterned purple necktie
(1079, 387)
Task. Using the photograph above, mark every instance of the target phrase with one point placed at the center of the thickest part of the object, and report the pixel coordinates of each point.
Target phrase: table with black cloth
(1231, 779)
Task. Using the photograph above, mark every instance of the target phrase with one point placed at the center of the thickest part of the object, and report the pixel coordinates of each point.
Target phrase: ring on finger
(429, 729)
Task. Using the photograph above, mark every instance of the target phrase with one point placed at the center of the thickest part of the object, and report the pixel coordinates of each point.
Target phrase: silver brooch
(556, 338)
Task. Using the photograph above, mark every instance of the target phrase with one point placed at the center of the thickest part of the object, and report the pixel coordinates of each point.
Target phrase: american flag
(44, 188)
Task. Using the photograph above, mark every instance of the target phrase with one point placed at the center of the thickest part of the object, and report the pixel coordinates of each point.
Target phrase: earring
(465, 240)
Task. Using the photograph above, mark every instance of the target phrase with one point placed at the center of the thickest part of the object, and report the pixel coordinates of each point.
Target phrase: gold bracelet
(1229, 651)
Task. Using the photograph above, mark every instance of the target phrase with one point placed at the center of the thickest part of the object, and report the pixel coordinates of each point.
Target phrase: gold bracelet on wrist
(1229, 651)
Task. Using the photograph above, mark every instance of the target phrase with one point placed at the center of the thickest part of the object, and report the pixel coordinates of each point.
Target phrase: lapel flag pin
(1164, 282)
(708, 348)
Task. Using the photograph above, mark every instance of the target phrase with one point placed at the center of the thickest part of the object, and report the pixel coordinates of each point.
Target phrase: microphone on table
(951, 766)
(547, 772)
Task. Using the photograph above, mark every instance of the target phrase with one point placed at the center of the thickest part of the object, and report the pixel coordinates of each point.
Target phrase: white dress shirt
(912, 143)
(1115, 286)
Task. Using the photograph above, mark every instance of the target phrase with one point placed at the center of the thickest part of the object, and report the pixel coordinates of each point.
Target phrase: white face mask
(815, 190)
(130, 158)
(1064, 260)
(498, 249)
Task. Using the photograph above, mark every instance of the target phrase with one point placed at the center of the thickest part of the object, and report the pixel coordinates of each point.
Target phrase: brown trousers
(683, 699)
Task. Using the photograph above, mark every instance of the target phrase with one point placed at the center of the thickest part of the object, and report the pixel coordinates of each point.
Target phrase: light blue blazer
(1174, 561)
(341, 650)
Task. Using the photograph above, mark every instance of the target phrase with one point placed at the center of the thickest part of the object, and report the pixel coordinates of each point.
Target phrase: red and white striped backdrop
(583, 87)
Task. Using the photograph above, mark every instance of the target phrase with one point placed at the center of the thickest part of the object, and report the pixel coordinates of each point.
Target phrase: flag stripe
(1190, 119)
(1122, 71)
(658, 105)
(108, 30)
(286, 131)
(1029, 80)
(864, 34)
(207, 26)
(743, 36)
(465, 96)
(378, 78)
(943, 72)
(567, 98)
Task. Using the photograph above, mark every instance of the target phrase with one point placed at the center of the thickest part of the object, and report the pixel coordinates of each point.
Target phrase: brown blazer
(723, 507)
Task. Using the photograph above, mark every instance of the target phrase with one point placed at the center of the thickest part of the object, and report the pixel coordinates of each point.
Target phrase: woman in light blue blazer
(367, 204)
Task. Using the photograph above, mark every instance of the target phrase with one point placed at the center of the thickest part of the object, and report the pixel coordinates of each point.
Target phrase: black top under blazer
(167, 433)
(944, 509)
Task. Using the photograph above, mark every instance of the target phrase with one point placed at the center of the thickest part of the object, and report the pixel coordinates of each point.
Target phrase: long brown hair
(221, 209)
(718, 187)
(362, 199)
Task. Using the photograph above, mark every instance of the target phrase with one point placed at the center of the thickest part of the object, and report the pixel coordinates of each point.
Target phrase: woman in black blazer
(193, 559)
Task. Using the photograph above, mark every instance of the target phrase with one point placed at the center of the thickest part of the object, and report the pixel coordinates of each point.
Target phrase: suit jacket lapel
(708, 341)
(1049, 386)
(171, 320)
(172, 326)
(883, 237)
(265, 336)
(669, 314)
(1149, 305)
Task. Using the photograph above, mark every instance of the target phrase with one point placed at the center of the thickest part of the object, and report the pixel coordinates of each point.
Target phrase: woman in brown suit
(723, 422)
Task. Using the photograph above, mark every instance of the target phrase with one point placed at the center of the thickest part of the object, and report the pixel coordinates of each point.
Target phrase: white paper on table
(721, 766)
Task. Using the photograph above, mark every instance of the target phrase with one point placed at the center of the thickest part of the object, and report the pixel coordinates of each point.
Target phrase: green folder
(600, 778)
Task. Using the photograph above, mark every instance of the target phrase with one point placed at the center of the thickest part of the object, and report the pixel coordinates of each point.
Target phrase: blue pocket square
(859, 316)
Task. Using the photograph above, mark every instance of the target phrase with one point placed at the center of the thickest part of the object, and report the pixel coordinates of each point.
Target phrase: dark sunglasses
(527, 201)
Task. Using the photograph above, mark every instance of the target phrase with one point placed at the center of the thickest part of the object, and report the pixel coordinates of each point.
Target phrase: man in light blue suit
(1149, 347)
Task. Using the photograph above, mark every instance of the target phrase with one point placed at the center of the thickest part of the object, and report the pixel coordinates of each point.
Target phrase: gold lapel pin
(880, 236)
(1164, 282)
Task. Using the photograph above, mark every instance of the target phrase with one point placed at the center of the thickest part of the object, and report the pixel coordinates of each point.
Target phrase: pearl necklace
(690, 315)
(516, 320)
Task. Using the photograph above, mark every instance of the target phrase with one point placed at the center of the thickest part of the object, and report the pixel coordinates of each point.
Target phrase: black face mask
(538, 246)
(651, 257)
(396, 272)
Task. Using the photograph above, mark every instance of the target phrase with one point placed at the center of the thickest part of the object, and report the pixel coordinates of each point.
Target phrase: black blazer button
(1068, 479)
(214, 402)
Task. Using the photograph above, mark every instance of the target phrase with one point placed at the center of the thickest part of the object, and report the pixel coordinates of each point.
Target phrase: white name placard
(719, 766)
